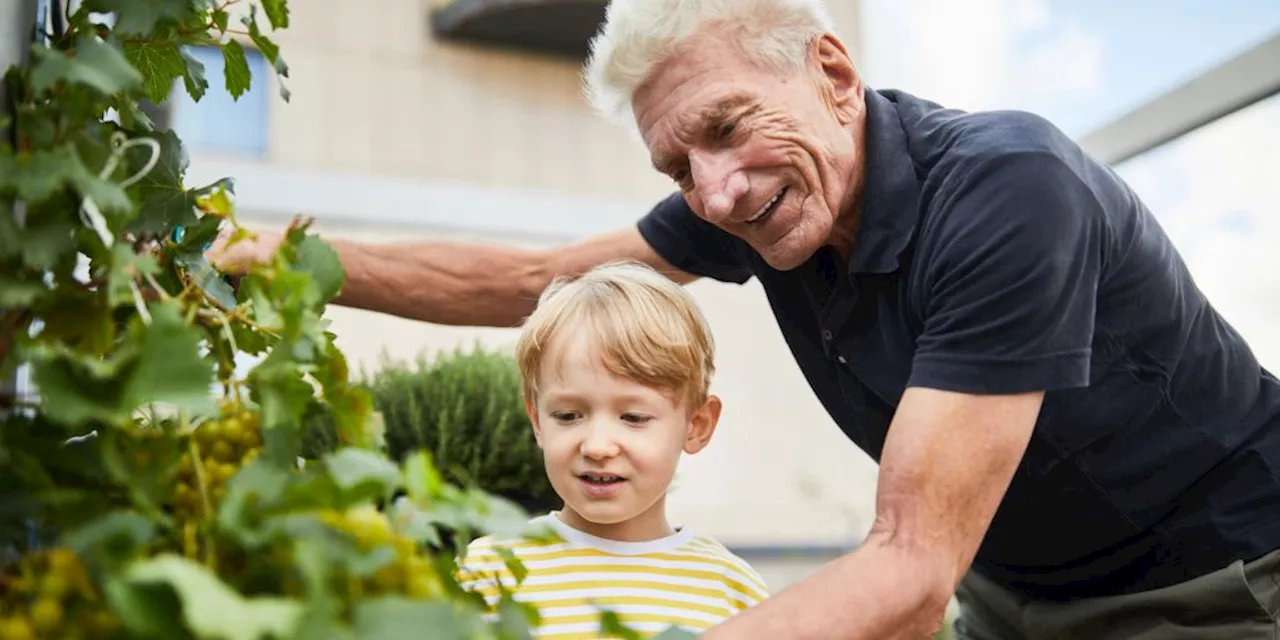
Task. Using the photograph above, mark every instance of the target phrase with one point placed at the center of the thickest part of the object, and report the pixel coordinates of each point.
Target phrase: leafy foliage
(149, 492)
(466, 409)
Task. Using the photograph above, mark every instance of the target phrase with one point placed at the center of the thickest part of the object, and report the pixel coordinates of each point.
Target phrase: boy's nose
(599, 444)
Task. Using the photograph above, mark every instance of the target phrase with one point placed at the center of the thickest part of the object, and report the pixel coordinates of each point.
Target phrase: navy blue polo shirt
(995, 257)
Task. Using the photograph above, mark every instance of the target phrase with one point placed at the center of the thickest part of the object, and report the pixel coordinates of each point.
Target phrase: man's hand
(946, 465)
(237, 258)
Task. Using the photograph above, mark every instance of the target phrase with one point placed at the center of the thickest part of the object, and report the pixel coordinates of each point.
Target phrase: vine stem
(140, 303)
(151, 280)
(201, 482)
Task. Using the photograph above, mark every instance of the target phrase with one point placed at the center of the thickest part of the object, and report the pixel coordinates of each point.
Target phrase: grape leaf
(421, 478)
(257, 486)
(161, 364)
(140, 17)
(363, 473)
(611, 626)
(209, 280)
(195, 238)
(515, 618)
(146, 610)
(118, 533)
(318, 258)
(237, 69)
(193, 77)
(392, 618)
(95, 64)
(513, 564)
(165, 202)
(217, 198)
(45, 241)
(277, 13)
(269, 49)
(675, 633)
(10, 233)
(160, 63)
(210, 608)
(126, 266)
(221, 19)
(79, 318)
(169, 367)
(19, 294)
(284, 392)
(39, 175)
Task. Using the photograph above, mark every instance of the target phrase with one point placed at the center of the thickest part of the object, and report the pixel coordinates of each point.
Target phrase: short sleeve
(1011, 272)
(692, 244)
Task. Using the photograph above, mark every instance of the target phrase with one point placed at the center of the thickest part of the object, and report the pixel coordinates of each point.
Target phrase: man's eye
(725, 130)
(681, 176)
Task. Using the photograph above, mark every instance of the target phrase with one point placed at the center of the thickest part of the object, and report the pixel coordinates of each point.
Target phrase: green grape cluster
(50, 595)
(220, 447)
(411, 574)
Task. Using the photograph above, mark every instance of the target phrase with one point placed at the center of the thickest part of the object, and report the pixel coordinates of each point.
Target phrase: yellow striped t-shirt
(683, 580)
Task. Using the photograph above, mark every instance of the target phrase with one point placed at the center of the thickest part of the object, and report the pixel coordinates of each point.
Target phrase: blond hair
(644, 328)
(638, 35)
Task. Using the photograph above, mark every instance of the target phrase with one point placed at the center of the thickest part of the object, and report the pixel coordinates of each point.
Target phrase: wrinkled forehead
(680, 108)
(696, 71)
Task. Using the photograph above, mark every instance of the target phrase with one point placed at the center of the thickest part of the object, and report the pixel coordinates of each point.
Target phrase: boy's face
(611, 445)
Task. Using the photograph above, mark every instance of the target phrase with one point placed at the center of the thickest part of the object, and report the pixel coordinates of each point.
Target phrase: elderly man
(1069, 436)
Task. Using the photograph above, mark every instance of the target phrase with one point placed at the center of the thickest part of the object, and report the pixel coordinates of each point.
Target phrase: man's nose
(719, 182)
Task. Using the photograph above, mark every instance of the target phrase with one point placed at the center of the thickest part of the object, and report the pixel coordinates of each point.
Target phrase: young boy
(616, 366)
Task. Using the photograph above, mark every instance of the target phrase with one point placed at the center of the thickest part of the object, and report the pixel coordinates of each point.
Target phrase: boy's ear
(702, 424)
(532, 411)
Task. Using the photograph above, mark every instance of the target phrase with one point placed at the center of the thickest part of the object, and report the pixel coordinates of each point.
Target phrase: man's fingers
(236, 258)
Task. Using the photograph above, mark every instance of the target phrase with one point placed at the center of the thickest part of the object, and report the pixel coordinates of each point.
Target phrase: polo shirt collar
(890, 193)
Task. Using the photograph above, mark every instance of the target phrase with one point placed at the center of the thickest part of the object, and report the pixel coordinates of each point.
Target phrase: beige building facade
(392, 135)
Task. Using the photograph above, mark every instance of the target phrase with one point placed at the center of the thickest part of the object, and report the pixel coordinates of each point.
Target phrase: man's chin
(785, 258)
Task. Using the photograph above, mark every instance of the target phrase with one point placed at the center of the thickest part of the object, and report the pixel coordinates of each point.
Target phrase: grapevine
(148, 490)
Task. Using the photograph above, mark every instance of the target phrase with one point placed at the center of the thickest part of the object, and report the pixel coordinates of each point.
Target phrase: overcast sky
(1081, 64)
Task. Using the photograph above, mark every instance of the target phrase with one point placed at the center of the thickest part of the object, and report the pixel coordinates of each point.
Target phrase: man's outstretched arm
(947, 462)
(454, 283)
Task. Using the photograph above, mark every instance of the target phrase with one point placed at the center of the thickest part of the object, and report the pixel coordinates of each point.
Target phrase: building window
(218, 123)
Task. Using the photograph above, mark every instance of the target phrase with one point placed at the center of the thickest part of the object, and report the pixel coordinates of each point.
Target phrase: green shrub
(465, 409)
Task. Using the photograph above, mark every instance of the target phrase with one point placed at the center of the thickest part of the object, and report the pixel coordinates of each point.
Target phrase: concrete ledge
(267, 191)
(1229, 87)
(789, 551)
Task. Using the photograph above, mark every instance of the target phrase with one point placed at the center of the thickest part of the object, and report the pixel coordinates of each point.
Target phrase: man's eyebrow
(706, 122)
(721, 111)
(666, 163)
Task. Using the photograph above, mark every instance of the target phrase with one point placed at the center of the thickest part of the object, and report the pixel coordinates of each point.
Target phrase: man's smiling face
(769, 157)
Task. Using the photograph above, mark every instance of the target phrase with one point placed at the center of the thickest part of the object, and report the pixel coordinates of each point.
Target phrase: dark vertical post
(18, 22)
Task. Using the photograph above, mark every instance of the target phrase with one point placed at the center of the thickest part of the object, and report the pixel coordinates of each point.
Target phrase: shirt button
(826, 335)
(842, 360)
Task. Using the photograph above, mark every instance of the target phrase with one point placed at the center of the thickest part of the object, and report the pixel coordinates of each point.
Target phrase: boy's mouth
(603, 479)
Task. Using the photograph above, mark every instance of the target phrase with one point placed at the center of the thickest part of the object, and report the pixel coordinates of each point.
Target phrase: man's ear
(702, 424)
(842, 77)
(531, 409)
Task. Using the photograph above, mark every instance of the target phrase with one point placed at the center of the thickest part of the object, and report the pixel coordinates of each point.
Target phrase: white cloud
(1067, 62)
(1216, 194)
(980, 54)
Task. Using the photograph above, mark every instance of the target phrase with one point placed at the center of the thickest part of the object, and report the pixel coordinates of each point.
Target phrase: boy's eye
(565, 416)
(636, 418)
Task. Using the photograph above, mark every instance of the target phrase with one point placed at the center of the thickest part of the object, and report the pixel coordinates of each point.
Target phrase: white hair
(637, 35)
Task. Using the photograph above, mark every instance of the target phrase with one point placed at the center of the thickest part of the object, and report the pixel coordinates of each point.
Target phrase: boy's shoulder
(737, 574)
(714, 550)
